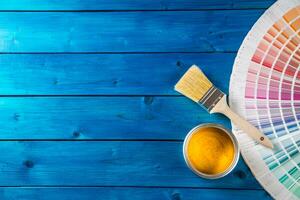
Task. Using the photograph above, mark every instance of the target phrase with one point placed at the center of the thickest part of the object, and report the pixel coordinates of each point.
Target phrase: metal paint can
(235, 146)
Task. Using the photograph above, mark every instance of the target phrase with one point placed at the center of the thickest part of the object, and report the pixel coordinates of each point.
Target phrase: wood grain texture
(174, 31)
(106, 74)
(106, 123)
(79, 193)
(88, 118)
(131, 4)
(102, 163)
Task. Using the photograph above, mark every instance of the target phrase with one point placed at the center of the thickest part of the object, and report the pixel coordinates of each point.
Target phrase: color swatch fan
(265, 89)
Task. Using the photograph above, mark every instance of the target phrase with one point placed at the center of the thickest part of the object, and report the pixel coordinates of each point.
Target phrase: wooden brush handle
(222, 107)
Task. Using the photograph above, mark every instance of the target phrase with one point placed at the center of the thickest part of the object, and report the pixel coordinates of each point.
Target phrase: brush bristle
(193, 84)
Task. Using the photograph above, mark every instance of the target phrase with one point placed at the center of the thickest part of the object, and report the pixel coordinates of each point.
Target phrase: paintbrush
(196, 86)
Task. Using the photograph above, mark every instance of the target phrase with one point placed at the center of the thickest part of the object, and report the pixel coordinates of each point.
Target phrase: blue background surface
(87, 104)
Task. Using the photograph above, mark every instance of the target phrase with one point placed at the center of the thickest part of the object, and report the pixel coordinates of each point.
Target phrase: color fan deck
(267, 70)
(88, 109)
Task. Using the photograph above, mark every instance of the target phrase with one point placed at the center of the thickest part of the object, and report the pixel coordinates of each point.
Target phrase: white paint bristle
(193, 84)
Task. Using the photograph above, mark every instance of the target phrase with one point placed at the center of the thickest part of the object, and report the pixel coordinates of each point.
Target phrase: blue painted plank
(106, 74)
(88, 118)
(97, 163)
(104, 163)
(174, 31)
(131, 4)
(65, 193)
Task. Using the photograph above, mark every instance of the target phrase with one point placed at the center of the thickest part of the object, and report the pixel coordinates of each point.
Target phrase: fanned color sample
(265, 89)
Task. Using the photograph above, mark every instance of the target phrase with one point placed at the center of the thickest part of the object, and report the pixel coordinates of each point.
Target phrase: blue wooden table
(87, 104)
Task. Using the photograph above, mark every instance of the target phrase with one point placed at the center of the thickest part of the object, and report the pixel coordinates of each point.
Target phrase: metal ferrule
(211, 98)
